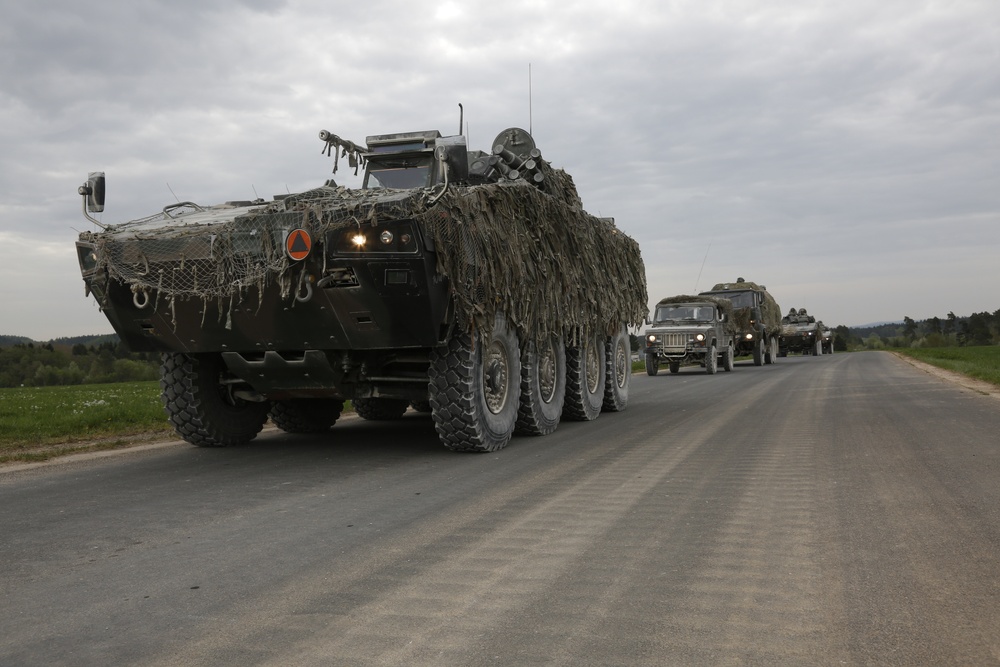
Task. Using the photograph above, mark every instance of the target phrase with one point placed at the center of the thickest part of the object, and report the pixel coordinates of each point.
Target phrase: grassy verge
(37, 423)
(982, 363)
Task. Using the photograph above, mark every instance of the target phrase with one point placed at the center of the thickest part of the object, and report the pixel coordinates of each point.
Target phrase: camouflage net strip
(536, 256)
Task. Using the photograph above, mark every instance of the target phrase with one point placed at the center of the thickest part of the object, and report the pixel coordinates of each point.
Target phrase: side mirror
(93, 191)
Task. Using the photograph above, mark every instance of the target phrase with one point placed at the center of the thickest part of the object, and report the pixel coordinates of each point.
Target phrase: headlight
(749, 336)
(651, 338)
(399, 238)
(699, 337)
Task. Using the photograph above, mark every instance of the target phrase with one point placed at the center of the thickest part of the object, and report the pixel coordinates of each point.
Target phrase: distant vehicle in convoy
(757, 319)
(827, 335)
(691, 330)
(468, 284)
(800, 333)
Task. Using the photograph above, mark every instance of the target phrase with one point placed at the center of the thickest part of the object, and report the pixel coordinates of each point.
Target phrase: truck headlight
(651, 338)
(749, 336)
(699, 337)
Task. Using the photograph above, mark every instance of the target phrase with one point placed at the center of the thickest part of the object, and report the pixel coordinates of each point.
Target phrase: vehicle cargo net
(536, 256)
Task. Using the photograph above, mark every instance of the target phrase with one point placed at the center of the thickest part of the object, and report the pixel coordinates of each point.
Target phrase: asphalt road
(821, 511)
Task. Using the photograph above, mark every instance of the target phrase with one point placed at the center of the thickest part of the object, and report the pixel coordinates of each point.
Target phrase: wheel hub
(495, 378)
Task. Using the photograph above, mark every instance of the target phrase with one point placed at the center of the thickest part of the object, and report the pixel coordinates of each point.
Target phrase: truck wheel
(543, 386)
(618, 372)
(675, 367)
(652, 365)
(711, 360)
(380, 408)
(818, 348)
(474, 389)
(203, 410)
(771, 351)
(727, 358)
(758, 352)
(306, 415)
(585, 376)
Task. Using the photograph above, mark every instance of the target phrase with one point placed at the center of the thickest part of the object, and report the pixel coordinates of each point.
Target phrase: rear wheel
(585, 377)
(200, 401)
(543, 386)
(675, 367)
(380, 408)
(474, 389)
(711, 360)
(306, 415)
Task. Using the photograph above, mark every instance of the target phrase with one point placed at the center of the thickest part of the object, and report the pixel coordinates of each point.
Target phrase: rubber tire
(652, 365)
(306, 415)
(380, 408)
(537, 415)
(584, 391)
(675, 367)
(618, 372)
(727, 358)
(458, 393)
(198, 407)
(817, 348)
(771, 351)
(711, 360)
(758, 352)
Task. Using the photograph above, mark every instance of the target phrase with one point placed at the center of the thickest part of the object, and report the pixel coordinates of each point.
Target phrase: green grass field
(39, 422)
(982, 363)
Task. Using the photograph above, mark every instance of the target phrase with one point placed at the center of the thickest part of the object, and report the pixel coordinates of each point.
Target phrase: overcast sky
(844, 154)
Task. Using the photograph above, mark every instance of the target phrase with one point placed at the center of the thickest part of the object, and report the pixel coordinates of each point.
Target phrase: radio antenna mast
(529, 99)
(698, 280)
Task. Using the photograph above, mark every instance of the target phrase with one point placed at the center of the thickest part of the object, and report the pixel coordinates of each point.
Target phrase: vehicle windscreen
(685, 313)
(740, 299)
(401, 174)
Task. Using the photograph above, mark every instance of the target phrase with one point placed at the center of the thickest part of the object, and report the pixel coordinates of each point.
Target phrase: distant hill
(10, 341)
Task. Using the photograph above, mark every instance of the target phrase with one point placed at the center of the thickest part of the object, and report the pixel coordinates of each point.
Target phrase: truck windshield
(740, 299)
(401, 174)
(685, 313)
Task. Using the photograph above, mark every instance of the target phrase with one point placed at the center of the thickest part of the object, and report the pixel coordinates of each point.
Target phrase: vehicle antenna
(529, 99)
(701, 269)
(173, 193)
(255, 195)
(461, 117)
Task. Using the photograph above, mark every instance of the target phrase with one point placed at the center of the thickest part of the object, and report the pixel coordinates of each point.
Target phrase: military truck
(757, 317)
(801, 333)
(691, 330)
(827, 336)
(469, 284)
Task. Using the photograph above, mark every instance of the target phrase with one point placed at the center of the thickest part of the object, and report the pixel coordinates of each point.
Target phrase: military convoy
(469, 284)
(756, 316)
(691, 330)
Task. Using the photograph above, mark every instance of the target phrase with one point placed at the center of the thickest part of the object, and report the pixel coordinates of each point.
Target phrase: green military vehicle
(757, 317)
(800, 333)
(827, 336)
(469, 284)
(691, 330)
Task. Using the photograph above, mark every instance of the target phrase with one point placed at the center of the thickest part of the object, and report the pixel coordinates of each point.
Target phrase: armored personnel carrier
(757, 317)
(801, 333)
(469, 284)
(691, 330)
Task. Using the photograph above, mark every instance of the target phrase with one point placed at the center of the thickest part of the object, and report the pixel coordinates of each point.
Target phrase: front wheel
(727, 358)
(758, 352)
(585, 377)
(711, 360)
(200, 401)
(652, 365)
(618, 372)
(474, 389)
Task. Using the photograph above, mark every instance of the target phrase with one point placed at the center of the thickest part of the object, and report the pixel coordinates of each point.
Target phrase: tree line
(33, 364)
(949, 331)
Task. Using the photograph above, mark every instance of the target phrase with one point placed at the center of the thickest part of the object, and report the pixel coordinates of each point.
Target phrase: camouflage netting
(770, 312)
(538, 257)
(725, 304)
